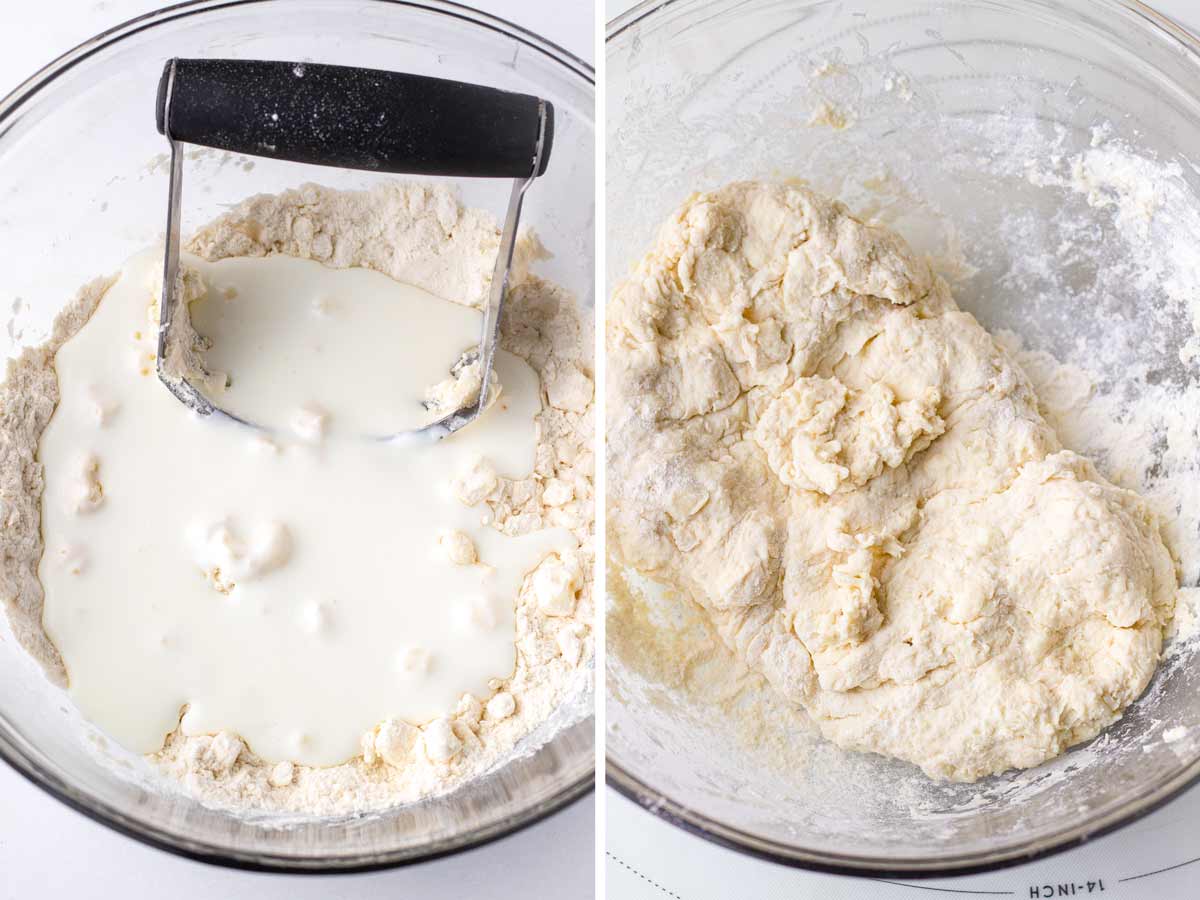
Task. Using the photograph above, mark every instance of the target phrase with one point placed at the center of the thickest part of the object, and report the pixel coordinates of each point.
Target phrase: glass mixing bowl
(83, 183)
(1041, 153)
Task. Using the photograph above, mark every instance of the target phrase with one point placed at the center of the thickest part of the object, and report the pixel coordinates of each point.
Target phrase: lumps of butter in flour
(215, 754)
(476, 482)
(225, 750)
(468, 711)
(395, 741)
(439, 741)
(282, 774)
(228, 553)
(501, 706)
(554, 583)
(857, 486)
(457, 547)
(85, 493)
(100, 406)
(309, 423)
(570, 641)
(557, 493)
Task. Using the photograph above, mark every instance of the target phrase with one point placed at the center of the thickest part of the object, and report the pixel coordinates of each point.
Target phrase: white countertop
(1158, 857)
(48, 851)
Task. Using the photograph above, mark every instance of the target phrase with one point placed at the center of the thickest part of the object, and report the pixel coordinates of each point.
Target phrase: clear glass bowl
(959, 123)
(84, 184)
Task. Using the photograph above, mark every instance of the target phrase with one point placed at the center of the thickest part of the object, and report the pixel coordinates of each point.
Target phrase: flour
(28, 396)
(1130, 402)
(857, 485)
(420, 235)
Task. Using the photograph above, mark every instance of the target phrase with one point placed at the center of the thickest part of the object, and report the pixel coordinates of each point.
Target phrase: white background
(48, 851)
(647, 859)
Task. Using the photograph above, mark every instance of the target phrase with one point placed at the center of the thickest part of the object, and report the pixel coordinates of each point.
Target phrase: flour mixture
(300, 617)
(857, 486)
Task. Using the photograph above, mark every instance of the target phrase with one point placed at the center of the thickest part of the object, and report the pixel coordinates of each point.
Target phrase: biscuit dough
(855, 482)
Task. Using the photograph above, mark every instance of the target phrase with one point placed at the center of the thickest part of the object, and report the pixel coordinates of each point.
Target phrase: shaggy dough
(855, 482)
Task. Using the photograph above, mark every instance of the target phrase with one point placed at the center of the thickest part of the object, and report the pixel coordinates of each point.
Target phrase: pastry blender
(356, 119)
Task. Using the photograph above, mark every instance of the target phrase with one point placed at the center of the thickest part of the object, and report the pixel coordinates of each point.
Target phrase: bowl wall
(1041, 153)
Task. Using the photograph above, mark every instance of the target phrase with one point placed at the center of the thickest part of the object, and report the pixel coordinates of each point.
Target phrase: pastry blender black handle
(354, 118)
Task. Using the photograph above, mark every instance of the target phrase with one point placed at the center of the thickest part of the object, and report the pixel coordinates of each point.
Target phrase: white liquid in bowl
(286, 587)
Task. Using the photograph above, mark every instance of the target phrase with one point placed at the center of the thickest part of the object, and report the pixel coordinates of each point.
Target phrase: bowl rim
(682, 816)
(20, 757)
(877, 868)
